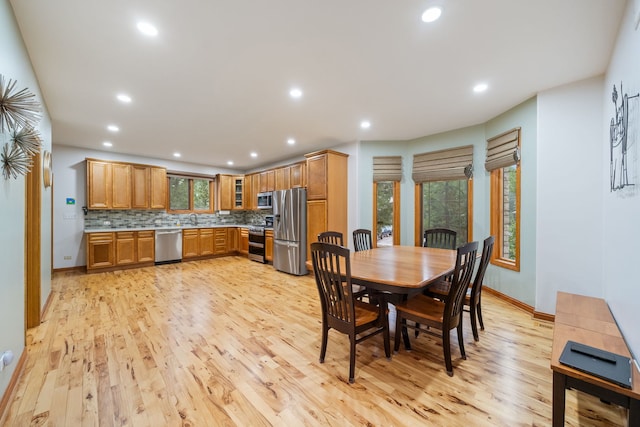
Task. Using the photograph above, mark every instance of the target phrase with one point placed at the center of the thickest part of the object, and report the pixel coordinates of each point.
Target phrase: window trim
(191, 202)
(419, 227)
(496, 221)
(396, 213)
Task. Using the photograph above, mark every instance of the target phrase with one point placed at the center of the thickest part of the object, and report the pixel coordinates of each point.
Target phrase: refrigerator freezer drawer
(289, 257)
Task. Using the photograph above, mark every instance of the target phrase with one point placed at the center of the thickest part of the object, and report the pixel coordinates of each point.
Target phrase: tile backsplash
(95, 219)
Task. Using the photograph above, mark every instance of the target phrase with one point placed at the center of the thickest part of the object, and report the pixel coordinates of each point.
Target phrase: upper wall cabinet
(116, 185)
(230, 189)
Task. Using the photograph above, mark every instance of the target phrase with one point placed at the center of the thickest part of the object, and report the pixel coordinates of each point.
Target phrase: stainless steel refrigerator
(290, 230)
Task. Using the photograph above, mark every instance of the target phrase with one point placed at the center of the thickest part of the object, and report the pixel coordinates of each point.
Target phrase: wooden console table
(589, 321)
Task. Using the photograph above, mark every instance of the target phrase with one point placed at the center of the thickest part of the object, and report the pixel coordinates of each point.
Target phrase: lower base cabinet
(120, 249)
(203, 242)
(243, 245)
(268, 245)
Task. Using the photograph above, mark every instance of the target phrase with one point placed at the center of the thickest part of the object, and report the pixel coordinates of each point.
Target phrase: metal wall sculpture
(619, 141)
(19, 113)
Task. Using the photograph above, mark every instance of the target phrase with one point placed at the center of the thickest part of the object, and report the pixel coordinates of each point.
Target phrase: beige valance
(443, 165)
(503, 150)
(387, 168)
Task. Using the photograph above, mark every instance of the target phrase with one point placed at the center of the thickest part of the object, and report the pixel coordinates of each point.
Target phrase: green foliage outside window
(384, 203)
(509, 219)
(445, 205)
(178, 193)
(201, 196)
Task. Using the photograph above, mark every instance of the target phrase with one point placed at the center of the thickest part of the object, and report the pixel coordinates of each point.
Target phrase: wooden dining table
(399, 271)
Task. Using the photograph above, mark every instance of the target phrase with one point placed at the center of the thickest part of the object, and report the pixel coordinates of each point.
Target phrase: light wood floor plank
(229, 342)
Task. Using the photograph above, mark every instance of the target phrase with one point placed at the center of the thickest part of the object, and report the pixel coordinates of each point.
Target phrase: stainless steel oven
(256, 244)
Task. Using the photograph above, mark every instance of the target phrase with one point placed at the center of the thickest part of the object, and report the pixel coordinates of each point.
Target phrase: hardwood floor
(233, 342)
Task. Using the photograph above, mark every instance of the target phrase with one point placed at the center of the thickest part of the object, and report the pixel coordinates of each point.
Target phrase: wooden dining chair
(442, 238)
(444, 316)
(340, 310)
(333, 237)
(362, 240)
(473, 296)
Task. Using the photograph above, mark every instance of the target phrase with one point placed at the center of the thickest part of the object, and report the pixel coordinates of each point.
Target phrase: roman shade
(503, 150)
(387, 168)
(444, 165)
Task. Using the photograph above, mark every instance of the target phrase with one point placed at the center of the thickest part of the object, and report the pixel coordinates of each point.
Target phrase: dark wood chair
(362, 240)
(442, 238)
(333, 237)
(473, 297)
(340, 310)
(444, 316)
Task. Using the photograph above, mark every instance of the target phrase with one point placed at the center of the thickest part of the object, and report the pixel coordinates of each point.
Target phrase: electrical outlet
(106, 223)
(67, 257)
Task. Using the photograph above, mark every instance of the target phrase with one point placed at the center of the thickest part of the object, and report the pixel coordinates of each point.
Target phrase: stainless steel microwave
(265, 200)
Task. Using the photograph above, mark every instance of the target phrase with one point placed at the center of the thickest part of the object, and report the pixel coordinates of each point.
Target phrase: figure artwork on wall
(620, 141)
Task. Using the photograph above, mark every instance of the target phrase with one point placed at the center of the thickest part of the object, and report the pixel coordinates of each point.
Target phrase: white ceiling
(214, 83)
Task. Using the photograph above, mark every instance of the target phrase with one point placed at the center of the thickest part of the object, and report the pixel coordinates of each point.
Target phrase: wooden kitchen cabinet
(267, 181)
(121, 174)
(243, 243)
(249, 200)
(146, 246)
(100, 250)
(232, 239)
(296, 175)
(282, 179)
(221, 240)
(117, 185)
(99, 185)
(230, 191)
(190, 242)
(125, 248)
(268, 245)
(158, 191)
(141, 178)
(326, 194)
(206, 244)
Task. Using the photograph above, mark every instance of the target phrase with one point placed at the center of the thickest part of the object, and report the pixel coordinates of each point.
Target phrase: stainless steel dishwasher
(168, 246)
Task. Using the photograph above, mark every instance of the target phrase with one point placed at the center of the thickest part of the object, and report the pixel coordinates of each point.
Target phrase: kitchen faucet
(194, 219)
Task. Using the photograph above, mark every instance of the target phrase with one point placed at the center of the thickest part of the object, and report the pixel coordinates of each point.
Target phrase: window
(387, 174)
(446, 204)
(503, 161)
(190, 194)
(444, 192)
(505, 216)
(386, 212)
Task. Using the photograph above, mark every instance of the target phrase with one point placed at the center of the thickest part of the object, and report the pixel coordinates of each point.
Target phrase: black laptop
(599, 363)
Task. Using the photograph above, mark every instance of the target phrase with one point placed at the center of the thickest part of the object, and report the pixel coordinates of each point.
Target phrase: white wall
(569, 204)
(70, 173)
(621, 231)
(15, 64)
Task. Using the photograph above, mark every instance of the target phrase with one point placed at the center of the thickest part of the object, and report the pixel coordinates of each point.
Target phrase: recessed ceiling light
(107, 144)
(124, 98)
(230, 163)
(480, 87)
(254, 154)
(147, 29)
(295, 93)
(291, 141)
(113, 128)
(432, 14)
(176, 154)
(365, 124)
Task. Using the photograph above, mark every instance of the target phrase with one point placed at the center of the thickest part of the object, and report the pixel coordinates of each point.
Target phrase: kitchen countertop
(158, 228)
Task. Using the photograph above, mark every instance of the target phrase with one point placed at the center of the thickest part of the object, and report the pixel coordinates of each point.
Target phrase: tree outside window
(445, 204)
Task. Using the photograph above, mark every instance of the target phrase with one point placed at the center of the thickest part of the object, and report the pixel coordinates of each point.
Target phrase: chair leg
(479, 312)
(474, 323)
(446, 346)
(323, 346)
(396, 339)
(352, 359)
(387, 340)
(461, 340)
